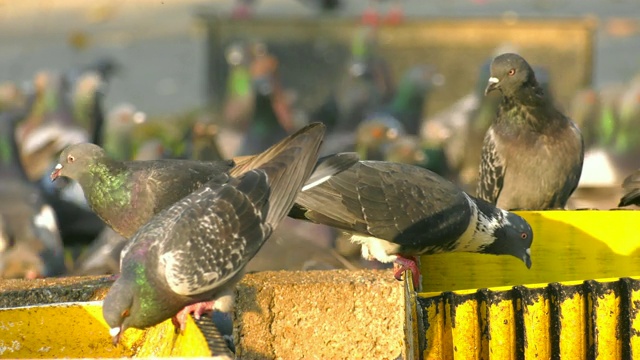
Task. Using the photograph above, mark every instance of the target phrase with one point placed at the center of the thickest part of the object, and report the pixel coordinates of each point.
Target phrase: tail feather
(288, 165)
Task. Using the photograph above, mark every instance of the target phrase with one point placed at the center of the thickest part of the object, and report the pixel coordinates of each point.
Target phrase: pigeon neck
(528, 109)
(106, 174)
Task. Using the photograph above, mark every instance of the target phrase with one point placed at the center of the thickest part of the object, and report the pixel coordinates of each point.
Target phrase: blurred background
(393, 80)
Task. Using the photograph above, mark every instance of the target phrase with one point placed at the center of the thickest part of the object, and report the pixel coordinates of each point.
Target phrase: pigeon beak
(56, 172)
(115, 333)
(494, 83)
(527, 258)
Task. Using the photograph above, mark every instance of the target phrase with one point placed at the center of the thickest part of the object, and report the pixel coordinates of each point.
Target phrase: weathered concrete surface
(319, 315)
(336, 314)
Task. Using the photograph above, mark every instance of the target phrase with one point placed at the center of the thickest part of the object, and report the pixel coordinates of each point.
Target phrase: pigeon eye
(71, 159)
(524, 236)
(125, 314)
(512, 72)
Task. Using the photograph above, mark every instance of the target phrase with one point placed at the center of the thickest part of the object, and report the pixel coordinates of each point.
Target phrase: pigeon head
(118, 308)
(509, 73)
(508, 233)
(76, 159)
(131, 303)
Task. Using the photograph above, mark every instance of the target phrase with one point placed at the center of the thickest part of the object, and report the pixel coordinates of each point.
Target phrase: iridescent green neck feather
(107, 187)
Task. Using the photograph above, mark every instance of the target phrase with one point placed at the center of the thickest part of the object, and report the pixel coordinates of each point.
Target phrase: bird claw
(403, 264)
(179, 320)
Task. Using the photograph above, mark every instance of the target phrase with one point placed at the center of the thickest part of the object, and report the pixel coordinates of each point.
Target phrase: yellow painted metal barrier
(78, 330)
(567, 245)
(593, 319)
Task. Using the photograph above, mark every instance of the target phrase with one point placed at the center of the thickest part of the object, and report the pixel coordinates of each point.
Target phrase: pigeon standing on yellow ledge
(189, 257)
(399, 211)
(532, 154)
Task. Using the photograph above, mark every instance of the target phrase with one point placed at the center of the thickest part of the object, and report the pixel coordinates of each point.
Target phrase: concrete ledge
(336, 314)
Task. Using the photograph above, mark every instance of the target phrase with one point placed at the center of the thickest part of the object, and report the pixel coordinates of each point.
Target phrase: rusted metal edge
(593, 319)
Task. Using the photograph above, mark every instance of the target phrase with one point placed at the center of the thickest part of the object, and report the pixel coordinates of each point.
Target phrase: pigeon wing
(217, 230)
(492, 170)
(396, 202)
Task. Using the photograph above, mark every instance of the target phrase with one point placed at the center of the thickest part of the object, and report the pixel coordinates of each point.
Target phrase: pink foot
(403, 264)
(179, 320)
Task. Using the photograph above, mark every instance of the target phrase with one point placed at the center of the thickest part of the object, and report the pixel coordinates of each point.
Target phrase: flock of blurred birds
(47, 229)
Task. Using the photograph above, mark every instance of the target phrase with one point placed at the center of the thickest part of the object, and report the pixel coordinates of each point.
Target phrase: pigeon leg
(179, 320)
(401, 264)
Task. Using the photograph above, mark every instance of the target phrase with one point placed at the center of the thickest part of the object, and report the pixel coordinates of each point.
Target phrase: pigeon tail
(288, 165)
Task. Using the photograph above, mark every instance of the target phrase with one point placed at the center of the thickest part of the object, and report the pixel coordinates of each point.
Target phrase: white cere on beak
(494, 80)
(114, 331)
(58, 167)
(528, 251)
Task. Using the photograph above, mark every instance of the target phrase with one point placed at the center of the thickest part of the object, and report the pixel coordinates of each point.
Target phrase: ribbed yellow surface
(594, 319)
(567, 245)
(78, 330)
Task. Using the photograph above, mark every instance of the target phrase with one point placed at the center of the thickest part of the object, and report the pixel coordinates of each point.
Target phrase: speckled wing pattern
(397, 202)
(216, 230)
(492, 170)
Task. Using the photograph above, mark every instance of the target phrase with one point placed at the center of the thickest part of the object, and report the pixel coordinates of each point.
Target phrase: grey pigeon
(125, 195)
(532, 154)
(398, 211)
(191, 255)
(30, 244)
(631, 186)
(102, 256)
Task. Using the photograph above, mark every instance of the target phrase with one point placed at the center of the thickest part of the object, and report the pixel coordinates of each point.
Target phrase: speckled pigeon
(191, 255)
(532, 154)
(398, 211)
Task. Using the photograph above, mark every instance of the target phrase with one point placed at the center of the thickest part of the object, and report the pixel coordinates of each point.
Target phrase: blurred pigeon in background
(30, 243)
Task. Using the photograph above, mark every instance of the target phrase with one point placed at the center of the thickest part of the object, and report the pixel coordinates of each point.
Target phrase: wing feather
(213, 233)
(492, 170)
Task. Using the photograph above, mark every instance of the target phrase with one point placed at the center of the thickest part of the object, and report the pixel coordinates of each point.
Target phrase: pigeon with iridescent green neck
(126, 194)
(189, 257)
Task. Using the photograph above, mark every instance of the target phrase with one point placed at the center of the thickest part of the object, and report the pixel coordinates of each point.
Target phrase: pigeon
(125, 195)
(272, 118)
(49, 126)
(631, 186)
(102, 256)
(189, 256)
(532, 154)
(408, 102)
(119, 128)
(239, 96)
(399, 211)
(30, 243)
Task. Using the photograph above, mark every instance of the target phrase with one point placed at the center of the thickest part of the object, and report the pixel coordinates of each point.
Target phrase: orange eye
(71, 159)
(524, 236)
(512, 72)
(125, 314)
